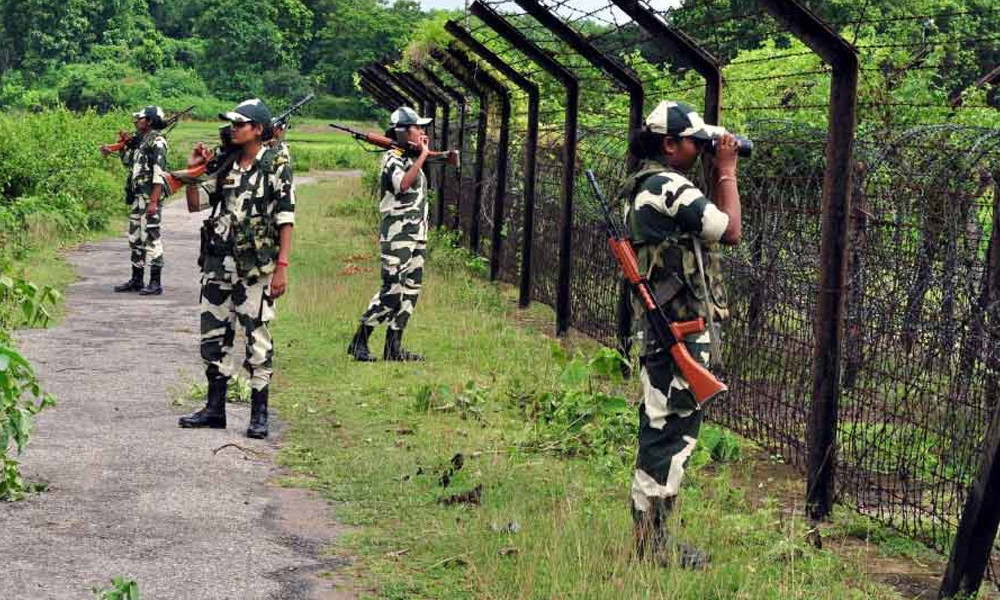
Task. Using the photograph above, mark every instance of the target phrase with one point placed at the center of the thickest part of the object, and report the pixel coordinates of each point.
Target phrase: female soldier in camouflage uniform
(145, 156)
(675, 230)
(402, 239)
(244, 258)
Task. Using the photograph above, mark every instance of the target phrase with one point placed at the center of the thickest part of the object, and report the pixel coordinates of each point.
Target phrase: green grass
(369, 438)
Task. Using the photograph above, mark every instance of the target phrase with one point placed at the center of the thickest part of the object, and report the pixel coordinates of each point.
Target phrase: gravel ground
(129, 492)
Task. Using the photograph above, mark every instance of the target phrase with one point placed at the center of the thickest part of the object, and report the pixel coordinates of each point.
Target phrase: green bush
(52, 178)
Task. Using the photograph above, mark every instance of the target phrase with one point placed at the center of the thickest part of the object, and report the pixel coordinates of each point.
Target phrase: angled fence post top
(474, 71)
(678, 43)
(386, 78)
(453, 66)
(463, 36)
(813, 31)
(523, 44)
(455, 95)
(543, 15)
(382, 86)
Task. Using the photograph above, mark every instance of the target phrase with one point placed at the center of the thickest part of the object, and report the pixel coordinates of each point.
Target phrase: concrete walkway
(129, 492)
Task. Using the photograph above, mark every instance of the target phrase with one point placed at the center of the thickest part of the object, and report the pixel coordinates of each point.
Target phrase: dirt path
(129, 492)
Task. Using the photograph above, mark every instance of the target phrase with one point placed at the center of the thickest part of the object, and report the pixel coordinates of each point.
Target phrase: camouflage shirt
(247, 211)
(399, 204)
(147, 165)
(664, 213)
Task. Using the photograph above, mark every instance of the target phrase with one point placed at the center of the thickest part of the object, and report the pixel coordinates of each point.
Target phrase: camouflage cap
(150, 113)
(253, 110)
(406, 116)
(679, 120)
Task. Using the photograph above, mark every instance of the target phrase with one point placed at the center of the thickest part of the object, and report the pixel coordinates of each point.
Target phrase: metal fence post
(503, 148)
(460, 101)
(451, 64)
(837, 187)
(572, 88)
(386, 87)
(387, 78)
(977, 530)
(445, 139)
(530, 149)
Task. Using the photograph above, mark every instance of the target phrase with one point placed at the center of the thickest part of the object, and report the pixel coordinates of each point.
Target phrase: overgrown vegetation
(98, 54)
(486, 470)
(21, 395)
(53, 182)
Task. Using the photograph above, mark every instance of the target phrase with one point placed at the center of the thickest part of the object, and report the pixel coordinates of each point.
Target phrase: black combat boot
(154, 288)
(359, 345)
(654, 542)
(394, 347)
(214, 413)
(258, 414)
(132, 285)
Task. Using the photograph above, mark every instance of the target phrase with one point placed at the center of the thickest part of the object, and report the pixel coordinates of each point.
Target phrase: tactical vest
(671, 265)
(141, 184)
(253, 241)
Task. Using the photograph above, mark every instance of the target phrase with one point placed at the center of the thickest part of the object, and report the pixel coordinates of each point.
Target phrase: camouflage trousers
(402, 278)
(226, 304)
(144, 234)
(669, 421)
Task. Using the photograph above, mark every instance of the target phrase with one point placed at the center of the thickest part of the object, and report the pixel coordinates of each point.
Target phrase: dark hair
(643, 143)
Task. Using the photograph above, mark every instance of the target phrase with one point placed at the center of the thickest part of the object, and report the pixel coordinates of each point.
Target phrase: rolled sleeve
(207, 195)
(284, 195)
(159, 162)
(393, 172)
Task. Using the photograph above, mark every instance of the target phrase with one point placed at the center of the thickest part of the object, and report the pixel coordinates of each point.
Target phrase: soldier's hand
(279, 282)
(105, 150)
(727, 153)
(151, 208)
(425, 148)
(453, 157)
(199, 155)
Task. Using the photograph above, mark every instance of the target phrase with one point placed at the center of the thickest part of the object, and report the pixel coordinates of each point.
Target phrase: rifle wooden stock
(670, 334)
(178, 179)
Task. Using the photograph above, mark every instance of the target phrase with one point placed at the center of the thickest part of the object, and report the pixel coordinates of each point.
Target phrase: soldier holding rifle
(246, 242)
(402, 235)
(676, 231)
(144, 154)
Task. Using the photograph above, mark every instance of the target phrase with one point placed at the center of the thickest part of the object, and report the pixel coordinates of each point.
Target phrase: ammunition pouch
(256, 246)
(212, 246)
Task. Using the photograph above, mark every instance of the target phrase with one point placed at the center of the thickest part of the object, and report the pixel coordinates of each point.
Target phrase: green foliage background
(106, 54)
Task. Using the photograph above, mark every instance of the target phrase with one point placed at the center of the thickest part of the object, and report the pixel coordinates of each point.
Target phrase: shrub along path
(128, 492)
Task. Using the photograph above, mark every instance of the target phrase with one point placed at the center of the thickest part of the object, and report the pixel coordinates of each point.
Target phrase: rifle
(389, 144)
(282, 119)
(226, 153)
(670, 334)
(126, 139)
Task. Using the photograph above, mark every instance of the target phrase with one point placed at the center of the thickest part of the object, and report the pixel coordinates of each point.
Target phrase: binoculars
(745, 146)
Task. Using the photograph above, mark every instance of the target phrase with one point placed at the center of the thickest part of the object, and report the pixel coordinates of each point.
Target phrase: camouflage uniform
(665, 212)
(239, 255)
(147, 165)
(402, 242)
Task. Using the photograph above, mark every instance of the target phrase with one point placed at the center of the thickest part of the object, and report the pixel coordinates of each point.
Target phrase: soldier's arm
(284, 217)
(669, 200)
(159, 162)
(727, 193)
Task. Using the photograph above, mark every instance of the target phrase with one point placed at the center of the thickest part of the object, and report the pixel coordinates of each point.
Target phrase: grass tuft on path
(376, 440)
